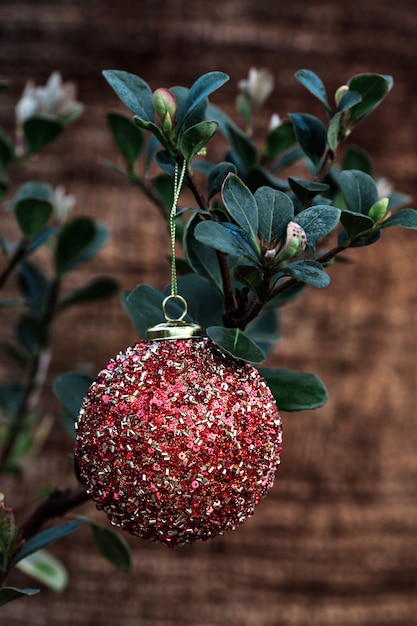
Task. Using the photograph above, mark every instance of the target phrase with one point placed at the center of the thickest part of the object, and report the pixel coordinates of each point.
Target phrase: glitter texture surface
(177, 441)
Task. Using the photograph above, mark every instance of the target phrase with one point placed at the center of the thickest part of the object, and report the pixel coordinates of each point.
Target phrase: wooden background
(334, 544)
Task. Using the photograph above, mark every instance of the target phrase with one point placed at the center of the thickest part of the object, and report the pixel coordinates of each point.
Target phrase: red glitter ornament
(178, 441)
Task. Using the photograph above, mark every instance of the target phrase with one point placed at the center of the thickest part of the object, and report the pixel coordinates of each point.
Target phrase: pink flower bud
(295, 242)
(165, 104)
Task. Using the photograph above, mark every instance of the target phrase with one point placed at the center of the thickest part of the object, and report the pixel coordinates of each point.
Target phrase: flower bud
(379, 209)
(165, 105)
(340, 92)
(295, 242)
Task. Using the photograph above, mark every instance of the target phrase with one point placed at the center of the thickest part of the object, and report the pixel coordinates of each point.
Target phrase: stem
(18, 255)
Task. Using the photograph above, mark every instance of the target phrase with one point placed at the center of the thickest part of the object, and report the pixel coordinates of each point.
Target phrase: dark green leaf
(97, 289)
(334, 131)
(196, 138)
(318, 220)
(203, 86)
(279, 140)
(205, 304)
(127, 136)
(243, 147)
(41, 238)
(264, 330)
(357, 159)
(363, 240)
(314, 84)
(39, 131)
(45, 538)
(32, 215)
(7, 153)
(31, 332)
(164, 186)
(355, 223)
(134, 92)
(151, 126)
(33, 190)
(309, 272)
(203, 259)
(7, 594)
(311, 134)
(112, 546)
(275, 210)
(235, 342)
(348, 100)
(11, 396)
(295, 391)
(70, 389)
(306, 190)
(227, 238)
(34, 284)
(73, 240)
(242, 207)
(3, 85)
(359, 190)
(373, 88)
(100, 238)
(288, 295)
(406, 218)
(251, 277)
(217, 176)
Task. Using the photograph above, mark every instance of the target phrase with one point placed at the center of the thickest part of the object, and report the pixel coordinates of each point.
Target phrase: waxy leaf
(241, 206)
(309, 272)
(357, 159)
(202, 258)
(46, 569)
(372, 88)
(45, 538)
(311, 134)
(318, 221)
(314, 84)
(235, 342)
(34, 284)
(11, 396)
(97, 289)
(227, 238)
(355, 223)
(359, 190)
(244, 149)
(7, 594)
(127, 135)
(205, 302)
(217, 176)
(196, 138)
(406, 218)
(275, 210)
(112, 546)
(33, 207)
(279, 140)
(134, 92)
(348, 100)
(295, 391)
(251, 277)
(7, 153)
(73, 240)
(203, 86)
(70, 390)
(306, 190)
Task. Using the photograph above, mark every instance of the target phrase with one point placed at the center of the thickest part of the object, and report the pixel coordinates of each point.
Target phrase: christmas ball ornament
(178, 441)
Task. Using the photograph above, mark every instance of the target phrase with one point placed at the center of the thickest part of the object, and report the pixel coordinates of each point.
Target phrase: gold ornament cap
(174, 328)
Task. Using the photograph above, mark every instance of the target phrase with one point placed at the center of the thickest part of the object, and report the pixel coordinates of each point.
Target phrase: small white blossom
(62, 203)
(275, 121)
(384, 187)
(258, 86)
(55, 100)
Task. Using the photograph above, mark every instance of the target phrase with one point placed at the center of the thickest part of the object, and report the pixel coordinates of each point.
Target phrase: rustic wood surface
(335, 542)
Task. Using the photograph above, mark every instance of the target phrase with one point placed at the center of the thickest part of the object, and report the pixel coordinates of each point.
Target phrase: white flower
(384, 187)
(62, 203)
(275, 121)
(55, 100)
(257, 86)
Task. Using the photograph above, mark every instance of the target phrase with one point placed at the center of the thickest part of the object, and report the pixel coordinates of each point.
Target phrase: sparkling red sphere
(178, 441)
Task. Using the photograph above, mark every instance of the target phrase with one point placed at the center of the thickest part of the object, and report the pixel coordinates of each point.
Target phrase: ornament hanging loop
(184, 304)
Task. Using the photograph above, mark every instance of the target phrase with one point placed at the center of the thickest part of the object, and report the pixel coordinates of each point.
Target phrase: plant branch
(18, 256)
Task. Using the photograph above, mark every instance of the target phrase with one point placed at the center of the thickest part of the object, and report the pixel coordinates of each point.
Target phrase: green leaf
(317, 221)
(34, 284)
(264, 330)
(243, 147)
(279, 140)
(11, 396)
(72, 241)
(355, 223)
(275, 210)
(32, 214)
(39, 131)
(70, 390)
(153, 128)
(348, 100)
(45, 538)
(306, 190)
(203, 259)
(406, 218)
(134, 92)
(373, 88)
(7, 594)
(235, 342)
(97, 289)
(31, 332)
(195, 138)
(359, 190)
(357, 159)
(112, 546)
(217, 176)
(295, 391)
(242, 207)
(203, 86)
(7, 153)
(311, 134)
(144, 308)
(251, 277)
(309, 272)
(205, 304)
(227, 238)
(127, 135)
(314, 84)
(46, 569)
(334, 131)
